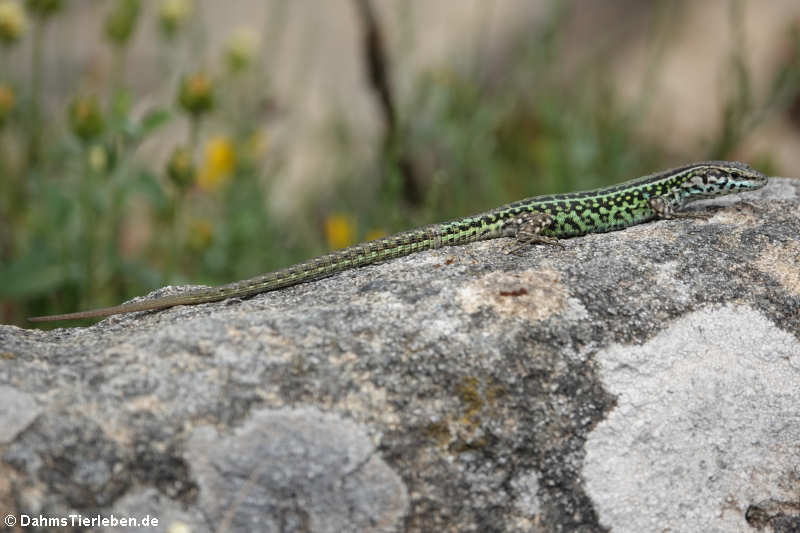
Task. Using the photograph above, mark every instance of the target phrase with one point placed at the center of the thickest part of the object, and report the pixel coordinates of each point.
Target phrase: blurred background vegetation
(145, 143)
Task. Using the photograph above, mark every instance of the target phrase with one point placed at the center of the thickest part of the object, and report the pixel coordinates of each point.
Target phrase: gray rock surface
(642, 380)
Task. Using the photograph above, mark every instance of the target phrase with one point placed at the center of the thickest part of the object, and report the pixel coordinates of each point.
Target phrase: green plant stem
(194, 132)
(119, 66)
(174, 246)
(37, 61)
(88, 183)
(5, 64)
(8, 213)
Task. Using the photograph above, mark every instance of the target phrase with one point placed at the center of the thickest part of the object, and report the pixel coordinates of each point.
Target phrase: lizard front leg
(667, 206)
(528, 229)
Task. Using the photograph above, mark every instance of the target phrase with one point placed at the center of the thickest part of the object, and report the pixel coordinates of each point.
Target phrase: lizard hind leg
(528, 230)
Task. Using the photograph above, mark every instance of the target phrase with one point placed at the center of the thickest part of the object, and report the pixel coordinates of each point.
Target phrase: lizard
(540, 219)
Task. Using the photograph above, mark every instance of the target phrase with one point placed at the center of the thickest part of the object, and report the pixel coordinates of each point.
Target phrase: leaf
(32, 275)
(149, 186)
(154, 119)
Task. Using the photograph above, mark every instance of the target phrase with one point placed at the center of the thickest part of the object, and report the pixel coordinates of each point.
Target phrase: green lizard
(541, 219)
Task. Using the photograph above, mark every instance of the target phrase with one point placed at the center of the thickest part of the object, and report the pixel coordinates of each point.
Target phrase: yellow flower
(375, 233)
(196, 94)
(97, 158)
(173, 14)
(121, 21)
(242, 47)
(85, 117)
(180, 167)
(339, 230)
(218, 165)
(201, 234)
(6, 102)
(44, 8)
(12, 22)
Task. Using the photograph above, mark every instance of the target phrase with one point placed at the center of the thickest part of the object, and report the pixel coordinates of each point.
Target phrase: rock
(641, 380)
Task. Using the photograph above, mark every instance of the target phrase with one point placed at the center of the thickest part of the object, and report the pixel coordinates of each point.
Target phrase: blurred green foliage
(86, 221)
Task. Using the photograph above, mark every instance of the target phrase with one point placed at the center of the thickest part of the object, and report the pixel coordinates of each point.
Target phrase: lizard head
(715, 178)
